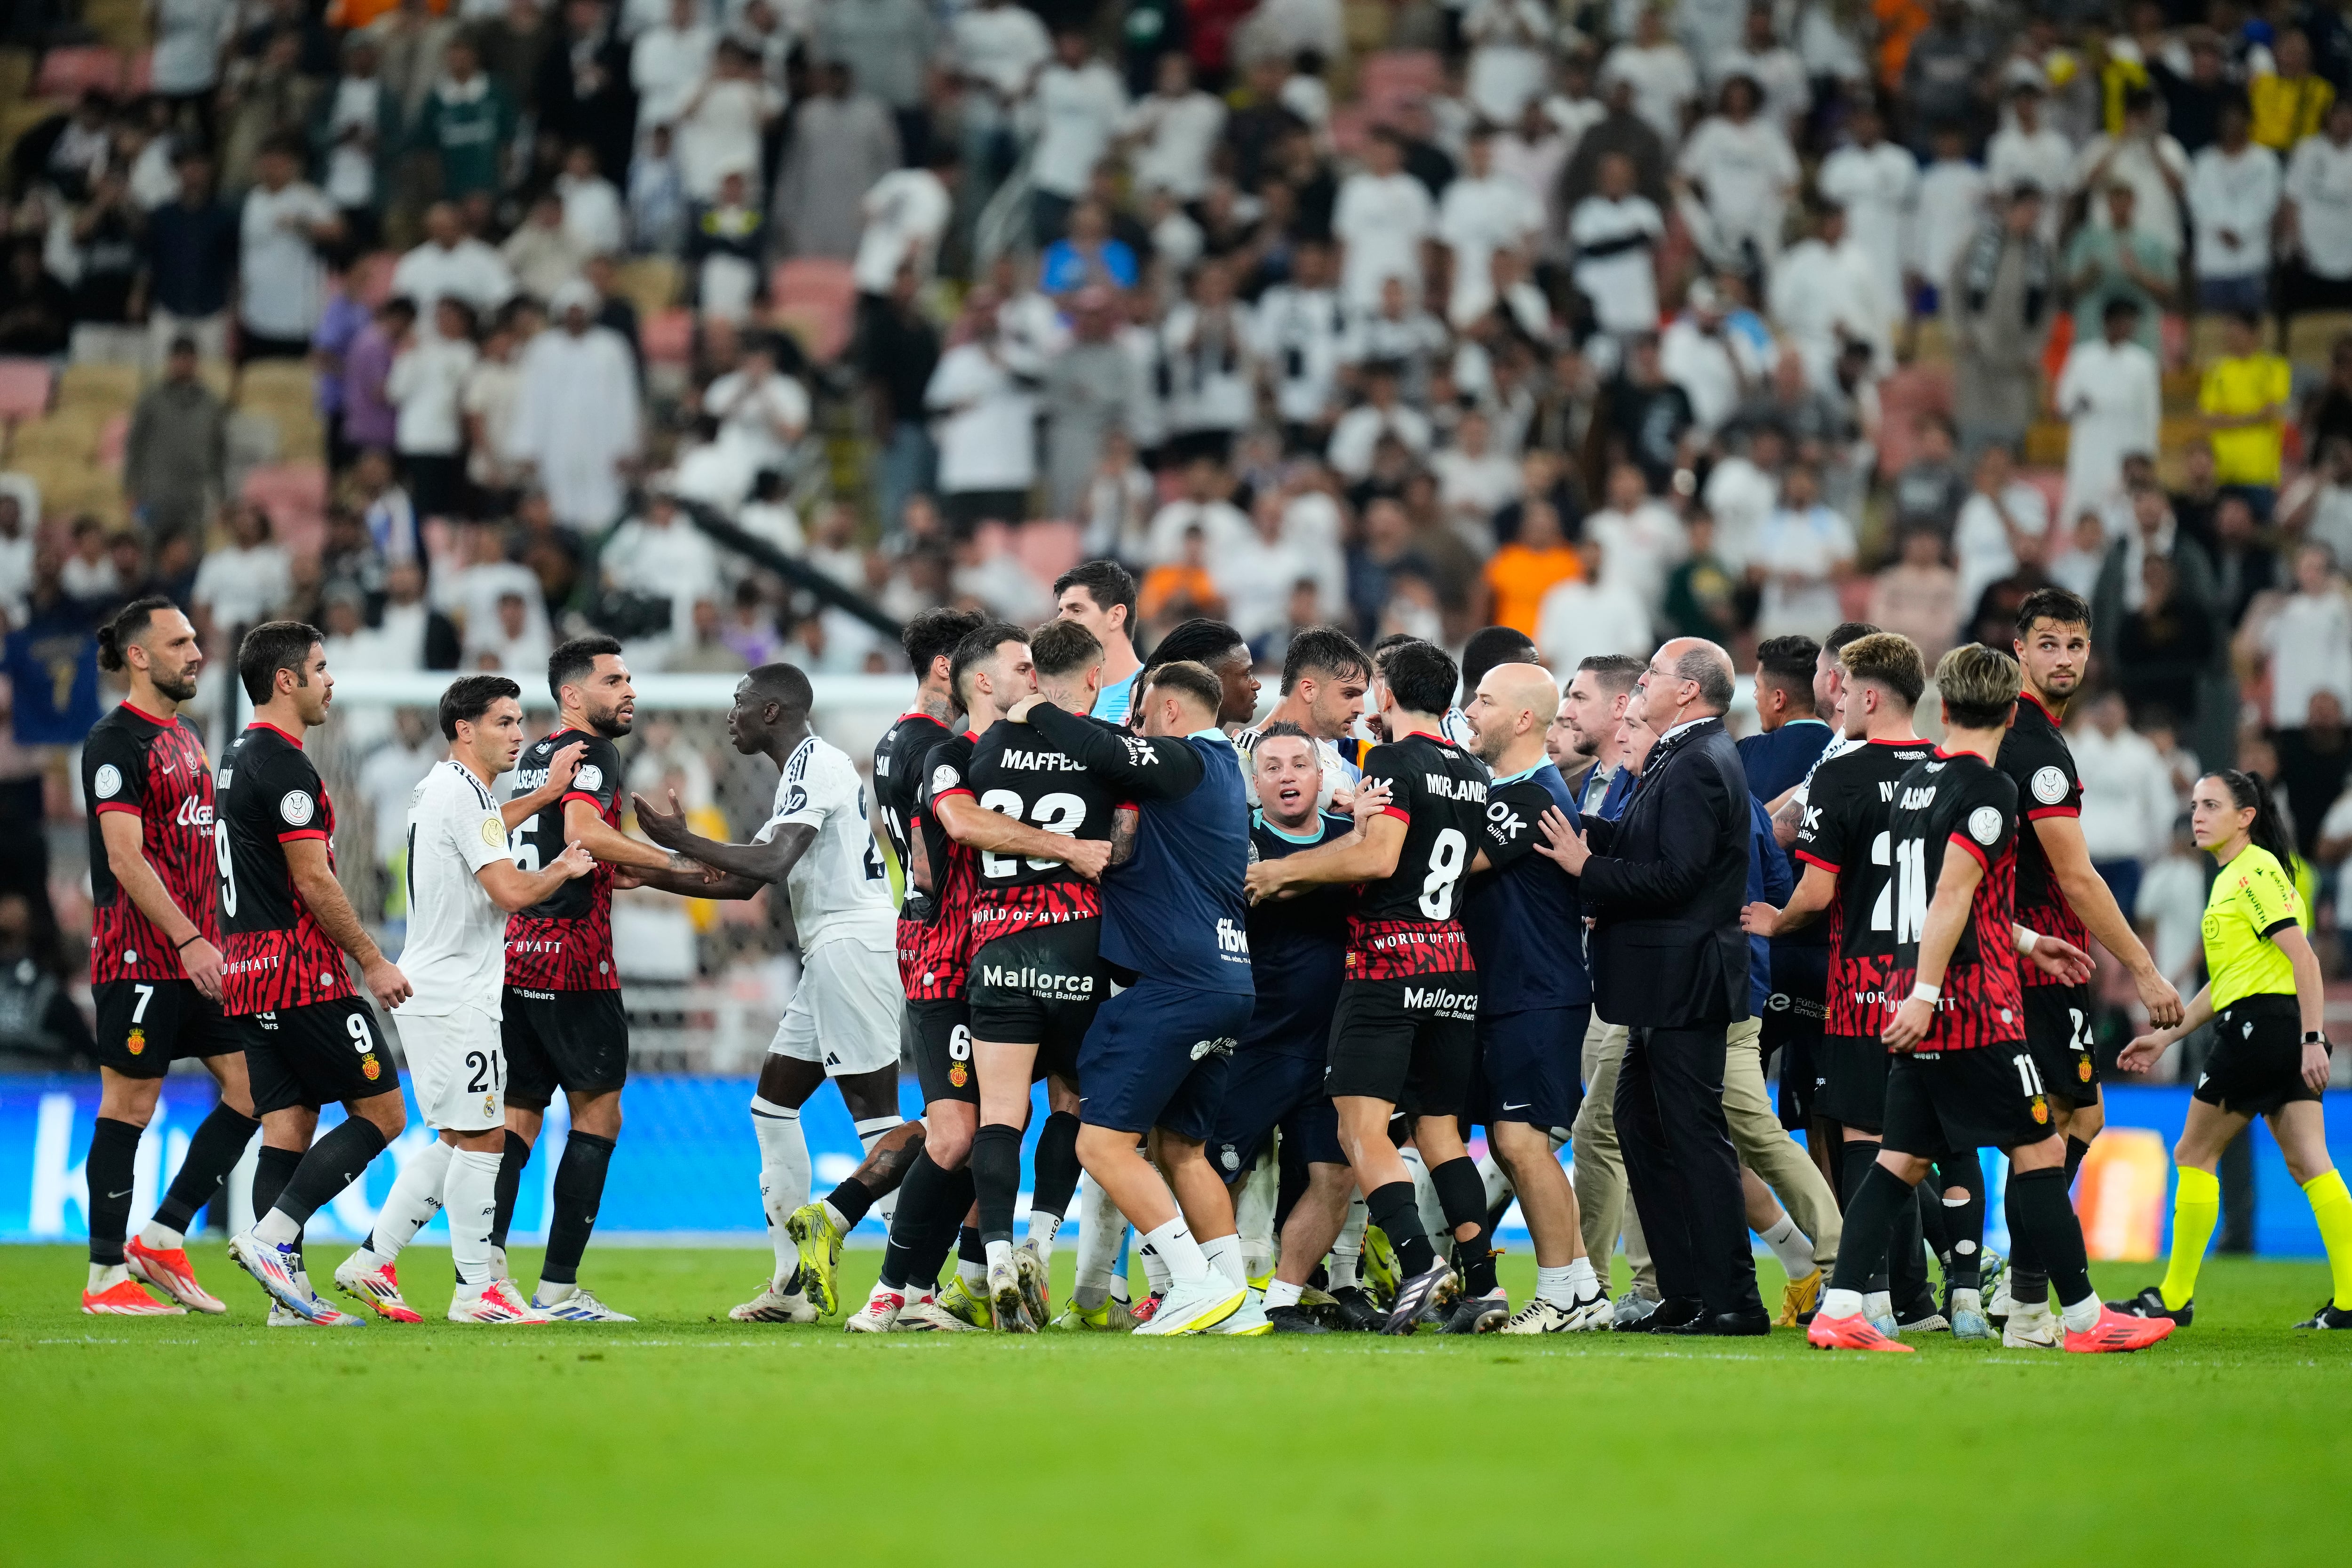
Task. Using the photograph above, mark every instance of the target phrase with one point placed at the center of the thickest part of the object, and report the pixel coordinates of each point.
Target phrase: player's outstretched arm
(2142, 1053)
(314, 879)
(1367, 855)
(975, 826)
(2069, 963)
(1947, 916)
(561, 768)
(1814, 891)
(762, 863)
(126, 855)
(2088, 895)
(584, 824)
(511, 888)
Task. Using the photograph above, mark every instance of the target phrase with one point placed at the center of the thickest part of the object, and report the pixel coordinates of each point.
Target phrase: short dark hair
(1064, 647)
(469, 696)
(1978, 686)
(1618, 673)
(1202, 641)
(1327, 650)
(2063, 605)
(129, 625)
(2119, 305)
(784, 684)
(1284, 730)
(1108, 582)
(270, 647)
(1491, 645)
(1422, 676)
(979, 643)
(1845, 632)
(573, 659)
(1191, 679)
(1385, 650)
(936, 631)
(1788, 663)
(1891, 659)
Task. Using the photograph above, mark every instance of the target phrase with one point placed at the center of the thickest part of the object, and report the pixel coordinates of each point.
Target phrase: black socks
(1858, 1157)
(1392, 1209)
(924, 1222)
(111, 1171)
(1963, 1221)
(1462, 1192)
(1056, 1181)
(218, 1145)
(579, 1189)
(334, 1162)
(1871, 1211)
(2044, 1225)
(996, 1178)
(511, 1159)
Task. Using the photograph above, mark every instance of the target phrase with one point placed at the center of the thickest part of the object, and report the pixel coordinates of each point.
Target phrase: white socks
(1792, 1247)
(161, 1236)
(105, 1276)
(1254, 1204)
(1000, 1252)
(1155, 1270)
(1179, 1257)
(869, 1133)
(415, 1197)
(1838, 1303)
(783, 1175)
(277, 1230)
(1347, 1251)
(1044, 1226)
(2081, 1317)
(1224, 1256)
(470, 1196)
(1280, 1293)
(1498, 1185)
(1101, 1227)
(1424, 1196)
(1567, 1284)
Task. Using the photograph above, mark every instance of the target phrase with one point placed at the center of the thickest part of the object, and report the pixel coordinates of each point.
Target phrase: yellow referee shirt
(2248, 455)
(2251, 900)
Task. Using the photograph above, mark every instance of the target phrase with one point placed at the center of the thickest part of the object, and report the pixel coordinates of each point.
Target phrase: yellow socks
(2196, 1210)
(2331, 1205)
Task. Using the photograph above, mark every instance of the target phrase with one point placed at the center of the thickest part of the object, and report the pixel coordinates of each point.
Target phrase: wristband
(2317, 1037)
(1923, 992)
(2030, 939)
(183, 947)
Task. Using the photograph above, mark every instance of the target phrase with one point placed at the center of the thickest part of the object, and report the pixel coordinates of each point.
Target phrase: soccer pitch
(687, 1439)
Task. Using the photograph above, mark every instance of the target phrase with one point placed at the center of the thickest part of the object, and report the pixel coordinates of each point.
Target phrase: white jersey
(1339, 774)
(1836, 748)
(455, 955)
(839, 887)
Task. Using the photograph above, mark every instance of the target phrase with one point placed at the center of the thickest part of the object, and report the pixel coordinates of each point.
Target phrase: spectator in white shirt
(1825, 292)
(245, 584)
(1601, 612)
(1380, 413)
(664, 555)
(2317, 223)
(1802, 552)
(1257, 572)
(452, 264)
(2110, 394)
(2308, 639)
(1510, 44)
(1474, 481)
(668, 62)
(427, 379)
(906, 214)
(1877, 182)
(2233, 197)
(1175, 130)
(2150, 161)
(983, 399)
(1715, 367)
(762, 413)
(2318, 504)
(1206, 505)
(1301, 330)
(592, 203)
(2029, 151)
(1642, 541)
(508, 638)
(1482, 213)
(1772, 65)
(1614, 233)
(2001, 512)
(2128, 802)
(1950, 209)
(1660, 73)
(281, 280)
(1205, 344)
(1078, 104)
(994, 51)
(724, 119)
(1733, 178)
(1383, 218)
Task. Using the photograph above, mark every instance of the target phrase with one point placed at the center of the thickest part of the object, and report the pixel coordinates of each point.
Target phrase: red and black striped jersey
(1845, 832)
(565, 942)
(156, 770)
(1015, 771)
(2036, 756)
(1959, 802)
(899, 758)
(276, 956)
(1409, 921)
(935, 941)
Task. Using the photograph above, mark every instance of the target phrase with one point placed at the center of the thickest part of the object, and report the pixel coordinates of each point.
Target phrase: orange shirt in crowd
(1176, 585)
(357, 13)
(1520, 577)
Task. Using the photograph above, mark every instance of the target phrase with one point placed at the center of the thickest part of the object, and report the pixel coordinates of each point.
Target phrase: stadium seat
(140, 75)
(24, 393)
(648, 282)
(668, 336)
(2310, 338)
(816, 296)
(98, 386)
(70, 73)
(1048, 547)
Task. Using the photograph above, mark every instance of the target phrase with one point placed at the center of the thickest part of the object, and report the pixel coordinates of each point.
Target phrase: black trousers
(1681, 1168)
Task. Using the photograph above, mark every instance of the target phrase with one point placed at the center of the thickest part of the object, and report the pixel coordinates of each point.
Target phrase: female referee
(2270, 1053)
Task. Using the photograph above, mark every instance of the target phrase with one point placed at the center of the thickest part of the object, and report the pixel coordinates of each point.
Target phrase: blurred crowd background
(441, 323)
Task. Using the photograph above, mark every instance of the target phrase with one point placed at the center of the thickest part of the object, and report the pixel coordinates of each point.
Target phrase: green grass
(687, 1439)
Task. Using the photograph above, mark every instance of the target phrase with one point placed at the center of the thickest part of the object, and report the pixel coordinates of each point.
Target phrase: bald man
(1665, 883)
(1525, 927)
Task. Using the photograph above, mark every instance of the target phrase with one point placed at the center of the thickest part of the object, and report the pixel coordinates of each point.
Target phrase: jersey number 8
(1447, 855)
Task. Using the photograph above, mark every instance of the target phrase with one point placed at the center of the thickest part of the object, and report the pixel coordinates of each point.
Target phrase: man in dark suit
(1670, 962)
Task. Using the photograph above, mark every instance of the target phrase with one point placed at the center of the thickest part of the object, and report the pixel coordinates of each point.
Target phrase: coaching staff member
(1669, 961)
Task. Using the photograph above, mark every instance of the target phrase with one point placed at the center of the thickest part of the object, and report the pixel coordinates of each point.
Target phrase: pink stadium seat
(817, 295)
(668, 336)
(1903, 398)
(1047, 548)
(113, 437)
(23, 389)
(294, 494)
(2052, 483)
(1394, 78)
(1349, 129)
(70, 73)
(142, 74)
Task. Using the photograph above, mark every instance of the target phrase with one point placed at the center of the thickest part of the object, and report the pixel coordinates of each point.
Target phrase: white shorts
(458, 1067)
(845, 1011)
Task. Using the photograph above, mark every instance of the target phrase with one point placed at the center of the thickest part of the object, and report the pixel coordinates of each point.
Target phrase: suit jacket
(1664, 887)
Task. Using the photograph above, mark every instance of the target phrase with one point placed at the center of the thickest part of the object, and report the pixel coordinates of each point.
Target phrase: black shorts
(934, 1033)
(2256, 1065)
(2058, 1033)
(1413, 1042)
(572, 1040)
(1795, 1016)
(145, 1026)
(965, 511)
(1041, 987)
(253, 347)
(1529, 1066)
(1989, 1098)
(1850, 1081)
(1266, 1089)
(315, 1055)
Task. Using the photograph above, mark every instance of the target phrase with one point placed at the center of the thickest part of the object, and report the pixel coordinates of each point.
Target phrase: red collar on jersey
(159, 723)
(2028, 697)
(292, 740)
(1433, 734)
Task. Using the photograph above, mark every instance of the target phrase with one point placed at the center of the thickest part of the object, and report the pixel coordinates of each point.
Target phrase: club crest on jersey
(2049, 784)
(370, 1067)
(494, 833)
(296, 808)
(943, 779)
(2041, 1111)
(957, 1075)
(590, 777)
(135, 1041)
(2082, 1069)
(108, 782)
(1984, 825)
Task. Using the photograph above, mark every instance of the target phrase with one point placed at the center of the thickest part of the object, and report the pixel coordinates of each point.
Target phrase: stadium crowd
(1609, 323)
